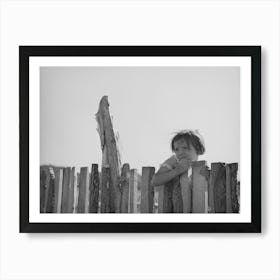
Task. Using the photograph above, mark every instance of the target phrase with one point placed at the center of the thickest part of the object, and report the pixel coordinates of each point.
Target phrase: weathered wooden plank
(83, 200)
(168, 196)
(177, 199)
(147, 191)
(124, 187)
(133, 189)
(110, 153)
(65, 189)
(217, 189)
(186, 191)
(232, 205)
(47, 187)
(70, 207)
(160, 191)
(43, 178)
(56, 188)
(76, 194)
(105, 190)
(60, 187)
(51, 191)
(94, 189)
(200, 186)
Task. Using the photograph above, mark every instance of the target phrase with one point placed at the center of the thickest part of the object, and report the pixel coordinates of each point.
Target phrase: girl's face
(184, 150)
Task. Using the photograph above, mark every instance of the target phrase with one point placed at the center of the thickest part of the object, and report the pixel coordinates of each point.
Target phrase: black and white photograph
(164, 136)
(139, 140)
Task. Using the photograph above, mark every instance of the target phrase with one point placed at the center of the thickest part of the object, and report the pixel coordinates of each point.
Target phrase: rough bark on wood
(147, 191)
(94, 189)
(124, 187)
(110, 153)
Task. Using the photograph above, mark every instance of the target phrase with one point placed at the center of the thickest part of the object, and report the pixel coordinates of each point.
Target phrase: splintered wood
(110, 153)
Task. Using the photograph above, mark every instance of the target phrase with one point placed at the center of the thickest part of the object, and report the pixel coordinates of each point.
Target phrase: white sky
(148, 105)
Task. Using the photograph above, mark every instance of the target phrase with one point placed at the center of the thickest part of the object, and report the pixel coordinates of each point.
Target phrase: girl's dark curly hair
(190, 136)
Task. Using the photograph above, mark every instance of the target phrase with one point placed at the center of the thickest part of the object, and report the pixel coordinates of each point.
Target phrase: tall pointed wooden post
(110, 153)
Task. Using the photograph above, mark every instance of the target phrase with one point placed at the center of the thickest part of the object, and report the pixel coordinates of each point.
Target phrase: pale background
(148, 105)
(139, 256)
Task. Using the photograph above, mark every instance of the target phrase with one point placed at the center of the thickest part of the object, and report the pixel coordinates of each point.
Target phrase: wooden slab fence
(203, 190)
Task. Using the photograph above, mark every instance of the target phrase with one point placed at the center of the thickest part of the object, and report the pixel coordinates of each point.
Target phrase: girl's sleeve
(170, 163)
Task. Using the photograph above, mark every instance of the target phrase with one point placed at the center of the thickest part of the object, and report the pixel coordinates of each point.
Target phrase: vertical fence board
(199, 188)
(46, 189)
(105, 190)
(56, 189)
(76, 194)
(186, 191)
(211, 204)
(110, 153)
(65, 189)
(124, 187)
(133, 189)
(147, 191)
(177, 199)
(167, 197)
(94, 189)
(155, 204)
(51, 192)
(70, 205)
(59, 197)
(218, 186)
(160, 190)
(43, 178)
(232, 205)
(83, 200)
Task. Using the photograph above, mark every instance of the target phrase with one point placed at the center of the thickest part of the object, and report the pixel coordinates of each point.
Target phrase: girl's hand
(183, 166)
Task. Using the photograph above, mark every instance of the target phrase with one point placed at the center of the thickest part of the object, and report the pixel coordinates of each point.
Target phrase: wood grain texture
(200, 186)
(147, 191)
(186, 192)
(232, 204)
(76, 194)
(217, 189)
(124, 187)
(94, 189)
(43, 178)
(83, 199)
(51, 193)
(110, 153)
(70, 206)
(47, 189)
(65, 189)
(133, 188)
(106, 186)
(160, 190)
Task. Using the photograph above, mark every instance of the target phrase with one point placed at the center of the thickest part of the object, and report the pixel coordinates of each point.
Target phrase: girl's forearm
(163, 178)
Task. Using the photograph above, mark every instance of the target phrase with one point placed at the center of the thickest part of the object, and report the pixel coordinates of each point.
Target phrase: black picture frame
(254, 52)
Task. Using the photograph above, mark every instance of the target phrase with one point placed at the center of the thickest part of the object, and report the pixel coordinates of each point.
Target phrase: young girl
(187, 145)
